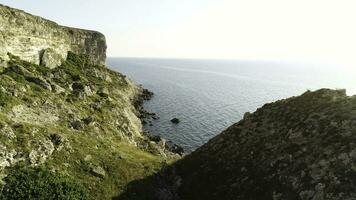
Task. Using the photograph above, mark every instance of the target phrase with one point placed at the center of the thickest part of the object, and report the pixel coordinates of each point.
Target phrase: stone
(96, 106)
(98, 171)
(78, 87)
(7, 132)
(101, 75)
(88, 158)
(39, 81)
(56, 139)
(42, 153)
(88, 91)
(88, 120)
(103, 92)
(77, 125)
(19, 70)
(155, 138)
(26, 114)
(146, 94)
(81, 90)
(4, 162)
(175, 121)
(51, 59)
(57, 89)
(172, 147)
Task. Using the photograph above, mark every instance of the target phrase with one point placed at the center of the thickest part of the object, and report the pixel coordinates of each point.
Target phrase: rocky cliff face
(41, 41)
(66, 119)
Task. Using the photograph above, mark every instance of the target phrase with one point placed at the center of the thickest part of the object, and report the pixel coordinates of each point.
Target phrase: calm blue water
(210, 95)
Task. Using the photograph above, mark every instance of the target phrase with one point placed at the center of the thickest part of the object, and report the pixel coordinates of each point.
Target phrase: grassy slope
(104, 142)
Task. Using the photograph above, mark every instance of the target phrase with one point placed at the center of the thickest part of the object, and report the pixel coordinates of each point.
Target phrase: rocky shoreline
(138, 102)
(147, 117)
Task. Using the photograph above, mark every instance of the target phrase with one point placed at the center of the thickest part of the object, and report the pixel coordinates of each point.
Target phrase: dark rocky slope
(301, 148)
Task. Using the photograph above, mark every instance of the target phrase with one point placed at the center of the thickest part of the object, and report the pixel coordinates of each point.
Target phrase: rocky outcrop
(301, 148)
(44, 42)
(55, 118)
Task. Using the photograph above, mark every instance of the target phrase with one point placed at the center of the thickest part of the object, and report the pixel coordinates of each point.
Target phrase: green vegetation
(77, 121)
(41, 183)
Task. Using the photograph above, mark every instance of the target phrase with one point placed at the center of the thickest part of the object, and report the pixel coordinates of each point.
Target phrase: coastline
(143, 95)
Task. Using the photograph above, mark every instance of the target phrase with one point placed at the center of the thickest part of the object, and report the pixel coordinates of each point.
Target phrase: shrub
(41, 184)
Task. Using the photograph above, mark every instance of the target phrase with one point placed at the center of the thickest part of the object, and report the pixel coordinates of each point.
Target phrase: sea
(208, 96)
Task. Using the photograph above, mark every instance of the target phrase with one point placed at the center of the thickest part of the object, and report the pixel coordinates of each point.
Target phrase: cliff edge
(69, 126)
(44, 42)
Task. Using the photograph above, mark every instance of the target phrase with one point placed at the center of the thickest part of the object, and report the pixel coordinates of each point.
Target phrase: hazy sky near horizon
(292, 30)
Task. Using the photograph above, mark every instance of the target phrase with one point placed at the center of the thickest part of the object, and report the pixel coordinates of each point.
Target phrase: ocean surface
(210, 95)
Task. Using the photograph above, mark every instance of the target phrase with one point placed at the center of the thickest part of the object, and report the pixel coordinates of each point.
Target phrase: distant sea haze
(210, 95)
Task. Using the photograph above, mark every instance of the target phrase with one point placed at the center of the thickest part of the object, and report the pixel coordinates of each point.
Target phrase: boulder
(88, 158)
(56, 139)
(81, 90)
(42, 153)
(6, 157)
(39, 81)
(78, 87)
(96, 106)
(77, 125)
(98, 171)
(175, 121)
(172, 147)
(88, 120)
(51, 59)
(88, 91)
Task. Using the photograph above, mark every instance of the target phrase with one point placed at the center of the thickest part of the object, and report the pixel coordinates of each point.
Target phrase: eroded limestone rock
(34, 39)
(98, 171)
(51, 58)
(42, 153)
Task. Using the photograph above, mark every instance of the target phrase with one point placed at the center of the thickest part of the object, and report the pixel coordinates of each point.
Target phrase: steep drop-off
(41, 41)
(70, 130)
(77, 120)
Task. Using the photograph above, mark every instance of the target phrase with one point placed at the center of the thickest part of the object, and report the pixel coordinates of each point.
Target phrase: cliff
(70, 129)
(41, 41)
(69, 126)
(300, 148)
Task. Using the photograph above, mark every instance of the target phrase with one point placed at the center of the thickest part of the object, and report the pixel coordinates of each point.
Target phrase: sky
(321, 31)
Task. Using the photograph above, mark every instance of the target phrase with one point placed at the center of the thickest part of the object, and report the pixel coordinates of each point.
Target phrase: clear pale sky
(298, 30)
